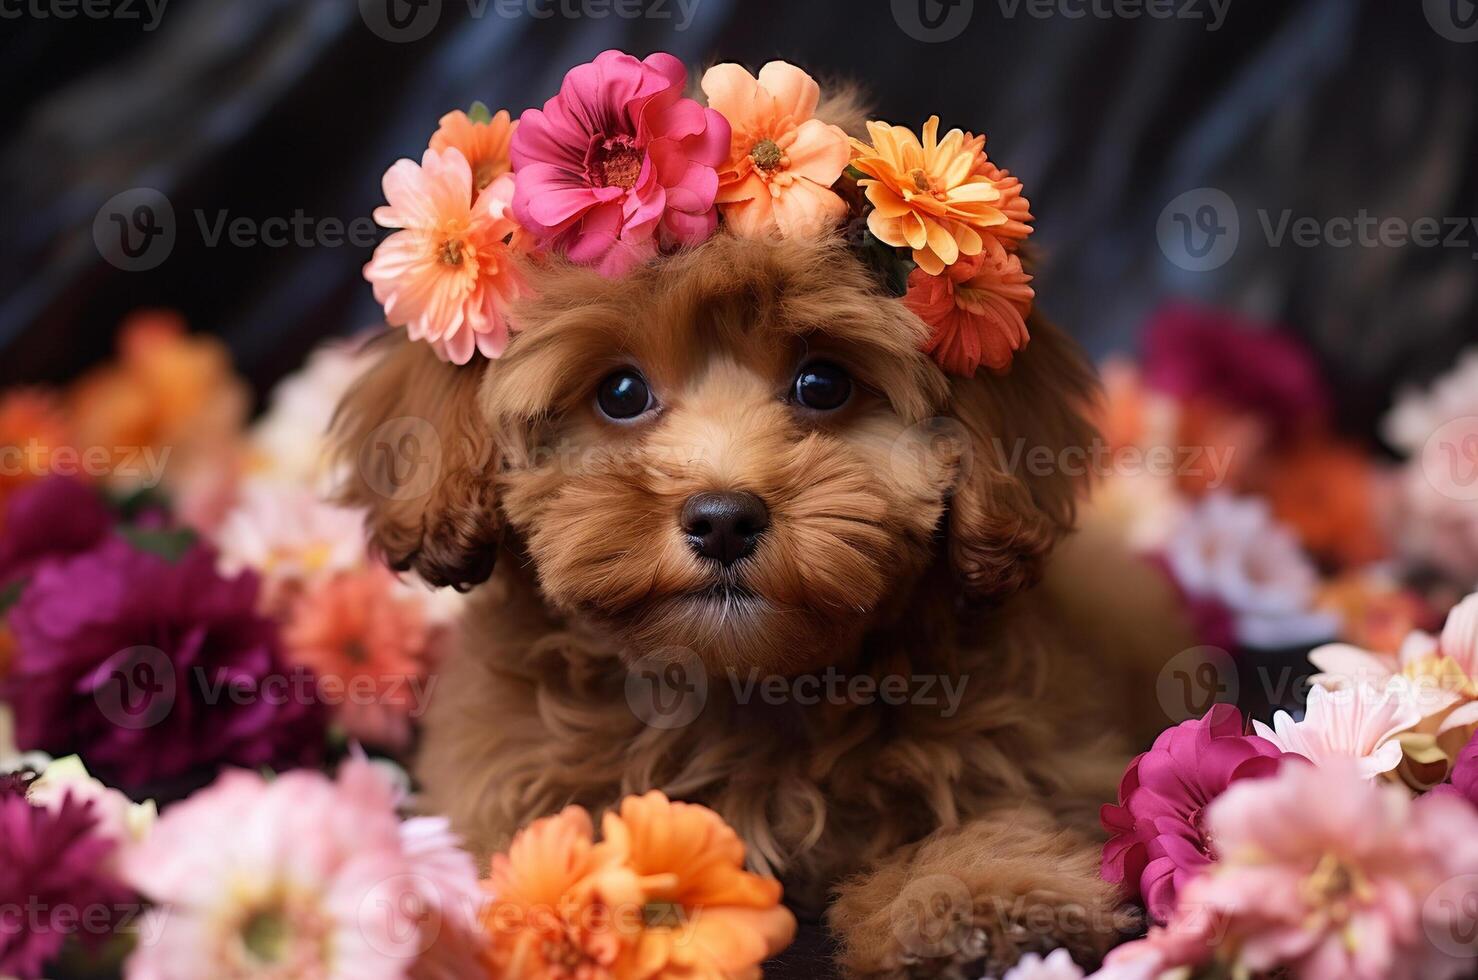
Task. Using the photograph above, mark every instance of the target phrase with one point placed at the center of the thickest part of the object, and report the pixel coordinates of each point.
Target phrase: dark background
(264, 108)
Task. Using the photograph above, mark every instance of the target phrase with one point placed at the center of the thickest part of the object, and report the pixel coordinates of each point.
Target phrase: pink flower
(298, 876)
(1329, 876)
(1057, 965)
(1158, 840)
(1359, 723)
(619, 163)
(448, 275)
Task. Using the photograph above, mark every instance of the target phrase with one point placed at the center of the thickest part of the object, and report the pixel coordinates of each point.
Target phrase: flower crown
(620, 167)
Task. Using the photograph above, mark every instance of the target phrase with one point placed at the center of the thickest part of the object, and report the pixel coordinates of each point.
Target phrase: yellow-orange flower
(706, 917)
(782, 161)
(483, 142)
(935, 196)
(557, 904)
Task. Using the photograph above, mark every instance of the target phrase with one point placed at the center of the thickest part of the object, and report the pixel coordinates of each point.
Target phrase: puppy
(742, 542)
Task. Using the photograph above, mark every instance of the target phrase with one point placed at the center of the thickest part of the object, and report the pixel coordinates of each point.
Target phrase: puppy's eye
(623, 395)
(823, 386)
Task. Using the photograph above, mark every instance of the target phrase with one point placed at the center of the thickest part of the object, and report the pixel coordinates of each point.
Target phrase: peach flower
(930, 196)
(370, 646)
(705, 915)
(482, 138)
(562, 906)
(977, 307)
(447, 275)
(782, 161)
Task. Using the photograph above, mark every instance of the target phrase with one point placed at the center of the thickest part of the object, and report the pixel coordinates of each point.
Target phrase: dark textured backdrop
(263, 108)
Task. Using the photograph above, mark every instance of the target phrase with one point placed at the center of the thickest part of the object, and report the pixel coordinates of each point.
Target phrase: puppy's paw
(971, 902)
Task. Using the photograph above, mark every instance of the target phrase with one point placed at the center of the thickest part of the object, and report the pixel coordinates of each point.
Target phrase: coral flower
(562, 906)
(705, 915)
(357, 635)
(1329, 492)
(482, 140)
(977, 307)
(1158, 837)
(782, 161)
(1359, 723)
(928, 195)
(619, 163)
(1328, 876)
(32, 427)
(448, 275)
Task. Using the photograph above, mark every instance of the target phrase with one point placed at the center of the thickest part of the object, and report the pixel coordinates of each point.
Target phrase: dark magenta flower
(1464, 775)
(1194, 353)
(54, 881)
(1157, 840)
(149, 668)
(51, 518)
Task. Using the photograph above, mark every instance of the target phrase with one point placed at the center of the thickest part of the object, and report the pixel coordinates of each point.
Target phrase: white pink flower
(1357, 723)
(299, 876)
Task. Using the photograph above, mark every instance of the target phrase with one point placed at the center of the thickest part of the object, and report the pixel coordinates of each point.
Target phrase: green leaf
(890, 264)
(169, 544)
(854, 173)
(11, 594)
(479, 113)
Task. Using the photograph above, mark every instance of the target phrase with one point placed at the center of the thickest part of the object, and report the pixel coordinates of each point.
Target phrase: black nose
(724, 525)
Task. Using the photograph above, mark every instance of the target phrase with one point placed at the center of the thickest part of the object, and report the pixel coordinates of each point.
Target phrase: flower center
(265, 935)
(616, 162)
(1334, 887)
(356, 652)
(766, 155)
(922, 182)
(450, 252)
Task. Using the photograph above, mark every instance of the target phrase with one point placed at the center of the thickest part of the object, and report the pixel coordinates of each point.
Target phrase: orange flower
(782, 161)
(935, 197)
(1327, 492)
(483, 140)
(355, 632)
(32, 427)
(169, 391)
(706, 917)
(1013, 205)
(978, 310)
(1376, 613)
(555, 898)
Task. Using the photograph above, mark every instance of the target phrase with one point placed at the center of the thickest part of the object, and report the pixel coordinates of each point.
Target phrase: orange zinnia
(934, 196)
(483, 141)
(706, 917)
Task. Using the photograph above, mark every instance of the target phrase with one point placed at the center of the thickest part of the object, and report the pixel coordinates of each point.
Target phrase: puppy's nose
(724, 524)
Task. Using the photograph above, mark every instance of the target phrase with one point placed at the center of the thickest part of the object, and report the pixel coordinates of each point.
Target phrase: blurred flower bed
(189, 626)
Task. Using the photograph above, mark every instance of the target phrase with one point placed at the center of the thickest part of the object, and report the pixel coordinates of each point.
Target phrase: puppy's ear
(1028, 433)
(419, 459)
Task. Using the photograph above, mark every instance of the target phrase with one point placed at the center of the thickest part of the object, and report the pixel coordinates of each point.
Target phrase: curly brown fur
(904, 538)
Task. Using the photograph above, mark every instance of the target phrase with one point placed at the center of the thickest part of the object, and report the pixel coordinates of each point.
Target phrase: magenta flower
(149, 668)
(49, 519)
(619, 163)
(52, 876)
(1157, 838)
(1464, 783)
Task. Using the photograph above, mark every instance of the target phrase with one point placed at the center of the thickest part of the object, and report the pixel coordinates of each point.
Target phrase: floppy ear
(1029, 434)
(420, 460)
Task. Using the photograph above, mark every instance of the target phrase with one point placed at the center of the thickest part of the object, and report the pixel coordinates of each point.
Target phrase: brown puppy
(929, 767)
